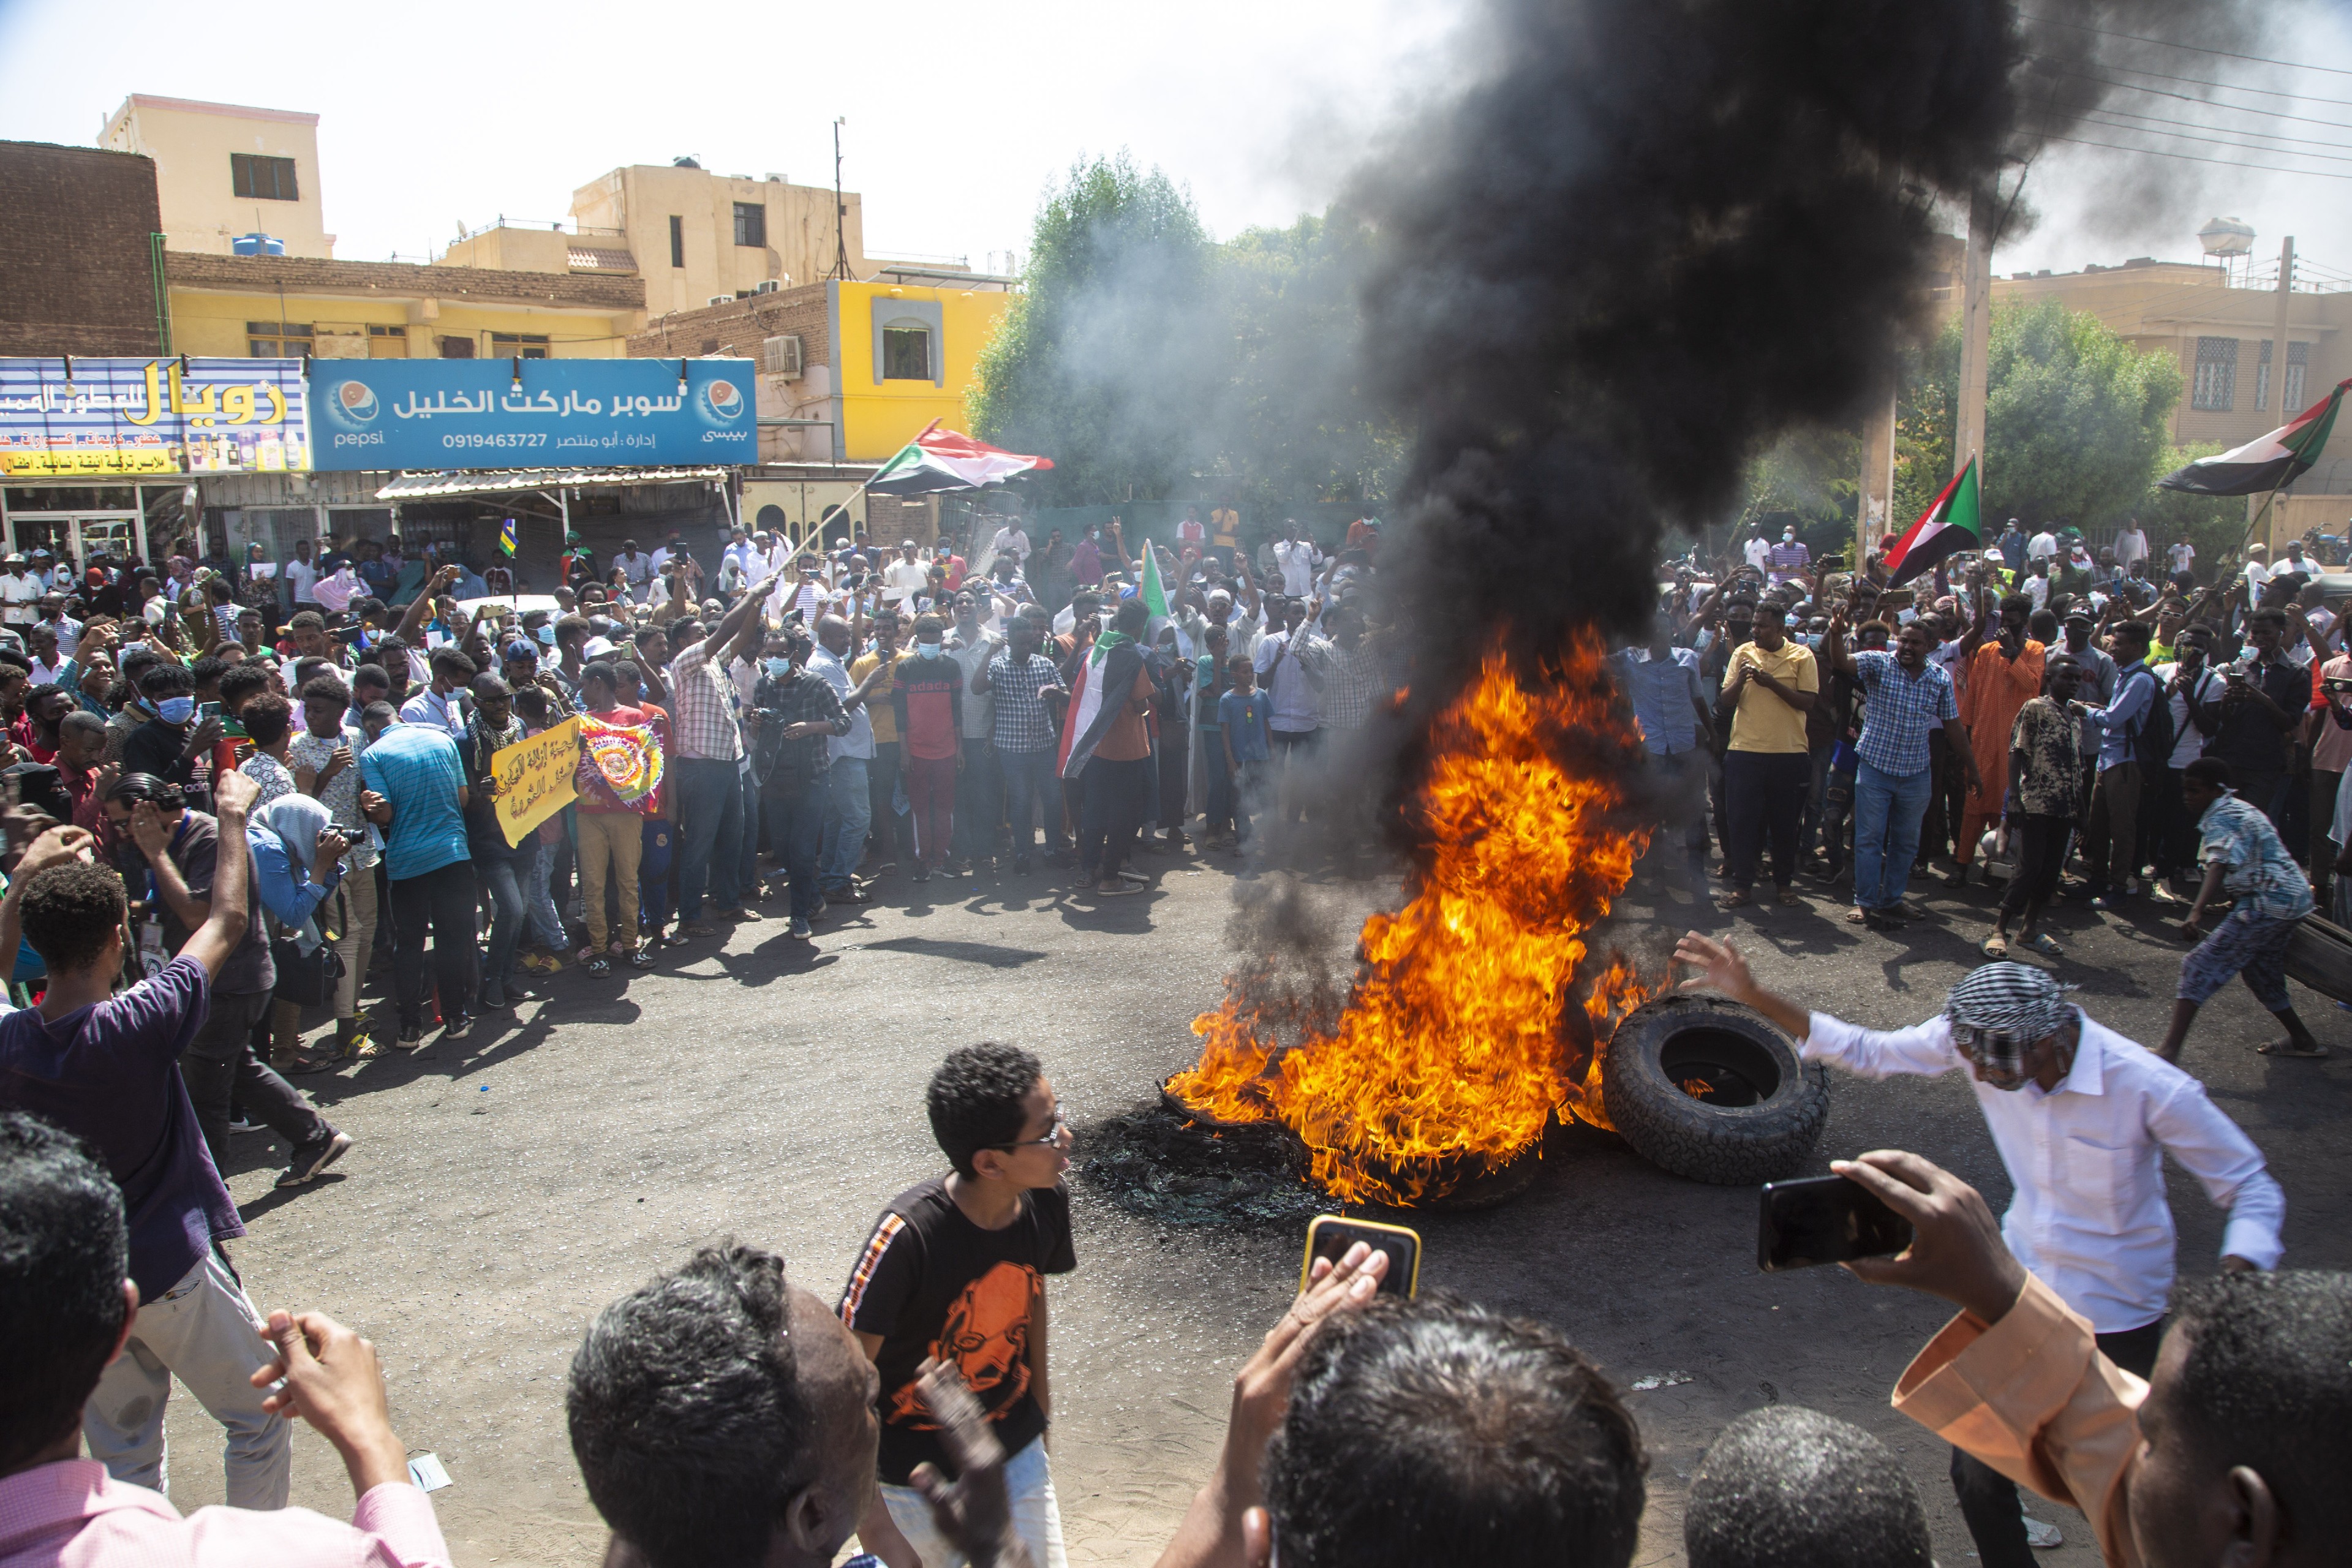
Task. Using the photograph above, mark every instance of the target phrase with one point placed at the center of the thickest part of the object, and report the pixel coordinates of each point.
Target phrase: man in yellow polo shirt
(1768, 686)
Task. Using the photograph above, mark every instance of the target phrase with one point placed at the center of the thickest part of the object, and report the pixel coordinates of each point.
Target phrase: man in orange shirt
(2003, 675)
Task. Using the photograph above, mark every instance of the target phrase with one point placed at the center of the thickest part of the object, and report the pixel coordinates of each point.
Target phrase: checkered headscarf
(2015, 999)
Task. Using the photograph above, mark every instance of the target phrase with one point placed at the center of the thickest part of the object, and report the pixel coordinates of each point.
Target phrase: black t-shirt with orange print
(933, 1284)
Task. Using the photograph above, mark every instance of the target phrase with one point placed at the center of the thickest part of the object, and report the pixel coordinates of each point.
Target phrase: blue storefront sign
(533, 414)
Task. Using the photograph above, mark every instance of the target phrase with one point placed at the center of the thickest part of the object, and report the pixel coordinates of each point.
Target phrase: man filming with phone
(2082, 1118)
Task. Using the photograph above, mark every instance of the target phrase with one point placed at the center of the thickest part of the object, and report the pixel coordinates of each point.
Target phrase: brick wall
(74, 251)
(401, 280)
(740, 326)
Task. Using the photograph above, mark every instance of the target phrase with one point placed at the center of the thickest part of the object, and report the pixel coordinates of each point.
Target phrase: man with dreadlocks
(2082, 1117)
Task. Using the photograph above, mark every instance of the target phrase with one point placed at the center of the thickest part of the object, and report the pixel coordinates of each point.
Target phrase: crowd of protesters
(828, 726)
(2079, 729)
(723, 1413)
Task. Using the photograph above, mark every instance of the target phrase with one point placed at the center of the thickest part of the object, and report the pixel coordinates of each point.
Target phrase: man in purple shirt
(67, 1311)
(106, 1069)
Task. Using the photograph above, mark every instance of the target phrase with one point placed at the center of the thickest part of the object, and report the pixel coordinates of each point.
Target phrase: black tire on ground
(1759, 1110)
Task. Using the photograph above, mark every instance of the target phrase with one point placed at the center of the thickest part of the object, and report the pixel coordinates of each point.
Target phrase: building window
(456, 347)
(277, 339)
(258, 178)
(387, 343)
(2263, 378)
(906, 354)
(2216, 386)
(678, 242)
(2298, 364)
(750, 223)
(521, 346)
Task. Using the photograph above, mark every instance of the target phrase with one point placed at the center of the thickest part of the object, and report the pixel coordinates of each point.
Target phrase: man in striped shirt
(707, 760)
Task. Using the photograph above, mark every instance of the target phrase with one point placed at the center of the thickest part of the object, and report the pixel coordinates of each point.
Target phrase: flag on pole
(1947, 527)
(1154, 593)
(506, 538)
(948, 460)
(2266, 462)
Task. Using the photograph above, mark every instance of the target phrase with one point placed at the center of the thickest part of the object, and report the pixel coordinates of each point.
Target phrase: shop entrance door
(75, 536)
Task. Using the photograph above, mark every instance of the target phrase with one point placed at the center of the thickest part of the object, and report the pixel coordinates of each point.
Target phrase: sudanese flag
(1947, 528)
(2266, 462)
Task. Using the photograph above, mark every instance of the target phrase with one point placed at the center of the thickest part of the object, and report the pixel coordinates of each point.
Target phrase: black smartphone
(1329, 1236)
(1824, 1219)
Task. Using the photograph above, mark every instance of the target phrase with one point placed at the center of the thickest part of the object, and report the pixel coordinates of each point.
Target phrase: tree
(2216, 525)
(1114, 347)
(2076, 419)
(1810, 478)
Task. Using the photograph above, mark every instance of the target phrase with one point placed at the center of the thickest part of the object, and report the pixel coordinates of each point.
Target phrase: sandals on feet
(1736, 899)
(2041, 942)
(1995, 946)
(1787, 896)
(599, 964)
(2289, 1049)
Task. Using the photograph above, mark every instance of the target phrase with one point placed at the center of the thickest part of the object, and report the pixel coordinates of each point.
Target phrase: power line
(2209, 103)
(2191, 82)
(2216, 142)
(2191, 48)
(2229, 130)
(2192, 158)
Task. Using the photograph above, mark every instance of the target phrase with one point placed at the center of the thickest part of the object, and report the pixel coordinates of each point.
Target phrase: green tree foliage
(1110, 351)
(2216, 525)
(1151, 364)
(1811, 478)
(2076, 419)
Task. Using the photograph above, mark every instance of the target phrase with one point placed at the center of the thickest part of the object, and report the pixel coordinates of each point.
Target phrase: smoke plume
(1643, 239)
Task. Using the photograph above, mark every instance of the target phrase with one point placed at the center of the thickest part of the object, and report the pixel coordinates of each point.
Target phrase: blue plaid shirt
(2262, 877)
(1901, 711)
(1021, 722)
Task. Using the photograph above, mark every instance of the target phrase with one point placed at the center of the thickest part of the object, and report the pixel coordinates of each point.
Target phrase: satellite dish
(2227, 237)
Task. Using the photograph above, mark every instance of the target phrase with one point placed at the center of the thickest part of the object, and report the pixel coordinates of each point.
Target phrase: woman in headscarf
(296, 864)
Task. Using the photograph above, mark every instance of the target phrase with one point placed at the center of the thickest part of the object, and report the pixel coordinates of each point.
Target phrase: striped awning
(502, 481)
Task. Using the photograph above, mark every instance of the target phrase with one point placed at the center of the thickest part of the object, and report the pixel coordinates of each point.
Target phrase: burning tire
(1710, 1089)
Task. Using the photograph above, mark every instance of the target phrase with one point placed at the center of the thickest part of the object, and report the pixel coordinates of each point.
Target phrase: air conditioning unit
(781, 355)
(768, 287)
(721, 300)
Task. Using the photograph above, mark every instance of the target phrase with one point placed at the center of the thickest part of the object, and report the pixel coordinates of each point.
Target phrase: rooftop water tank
(256, 244)
(2227, 237)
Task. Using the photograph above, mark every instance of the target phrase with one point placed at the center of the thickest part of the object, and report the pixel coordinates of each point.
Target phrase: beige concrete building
(222, 170)
(698, 236)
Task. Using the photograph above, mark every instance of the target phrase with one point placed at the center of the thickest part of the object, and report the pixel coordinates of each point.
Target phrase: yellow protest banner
(534, 778)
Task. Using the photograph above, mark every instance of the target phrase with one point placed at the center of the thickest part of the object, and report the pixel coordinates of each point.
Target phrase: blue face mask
(546, 635)
(928, 650)
(780, 667)
(176, 709)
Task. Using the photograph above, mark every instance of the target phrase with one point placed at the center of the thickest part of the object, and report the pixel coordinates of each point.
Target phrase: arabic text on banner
(534, 779)
(152, 416)
(533, 414)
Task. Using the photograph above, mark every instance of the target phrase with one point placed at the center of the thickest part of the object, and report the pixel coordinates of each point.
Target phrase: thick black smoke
(1643, 239)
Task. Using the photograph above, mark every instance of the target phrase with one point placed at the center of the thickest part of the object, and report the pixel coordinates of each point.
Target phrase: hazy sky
(958, 116)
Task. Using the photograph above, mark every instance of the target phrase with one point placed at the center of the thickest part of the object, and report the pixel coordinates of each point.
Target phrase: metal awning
(496, 481)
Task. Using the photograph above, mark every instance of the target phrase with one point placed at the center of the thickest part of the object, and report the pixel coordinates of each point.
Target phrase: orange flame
(1465, 1031)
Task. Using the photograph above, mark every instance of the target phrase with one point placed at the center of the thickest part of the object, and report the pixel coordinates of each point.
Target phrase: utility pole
(2278, 369)
(1874, 514)
(840, 213)
(1976, 334)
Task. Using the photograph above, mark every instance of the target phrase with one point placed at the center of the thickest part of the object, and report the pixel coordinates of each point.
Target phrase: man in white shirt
(2042, 546)
(2131, 543)
(1758, 549)
(746, 558)
(637, 564)
(20, 593)
(906, 576)
(2182, 556)
(2083, 1118)
(663, 551)
(302, 577)
(1010, 541)
(1296, 557)
(1297, 713)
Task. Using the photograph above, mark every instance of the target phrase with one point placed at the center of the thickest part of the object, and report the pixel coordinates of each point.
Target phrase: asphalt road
(504, 1187)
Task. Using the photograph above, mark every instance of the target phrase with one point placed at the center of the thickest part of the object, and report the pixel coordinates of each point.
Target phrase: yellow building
(223, 170)
(283, 306)
(850, 372)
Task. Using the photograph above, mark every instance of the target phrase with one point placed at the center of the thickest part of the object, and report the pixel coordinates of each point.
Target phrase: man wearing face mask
(1789, 558)
(2082, 1117)
(173, 746)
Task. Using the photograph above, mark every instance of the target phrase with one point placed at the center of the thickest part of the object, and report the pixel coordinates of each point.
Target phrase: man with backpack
(2134, 740)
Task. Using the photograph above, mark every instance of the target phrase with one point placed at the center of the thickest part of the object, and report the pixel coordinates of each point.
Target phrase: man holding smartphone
(2083, 1118)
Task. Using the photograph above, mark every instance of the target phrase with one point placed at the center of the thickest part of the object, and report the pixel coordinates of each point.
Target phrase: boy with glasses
(955, 1272)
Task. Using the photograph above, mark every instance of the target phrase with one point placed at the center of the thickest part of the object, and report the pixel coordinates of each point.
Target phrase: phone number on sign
(516, 438)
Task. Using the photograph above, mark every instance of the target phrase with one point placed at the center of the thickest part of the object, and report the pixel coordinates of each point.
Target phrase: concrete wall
(742, 326)
(191, 142)
(75, 251)
(641, 199)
